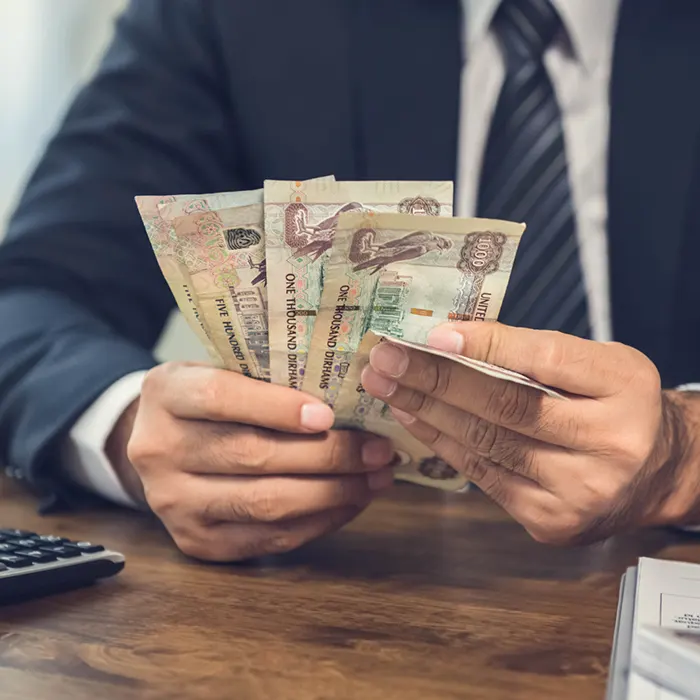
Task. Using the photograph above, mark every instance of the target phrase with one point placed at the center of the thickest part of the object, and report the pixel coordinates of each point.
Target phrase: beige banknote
(300, 221)
(175, 271)
(224, 252)
(355, 409)
(402, 275)
(229, 267)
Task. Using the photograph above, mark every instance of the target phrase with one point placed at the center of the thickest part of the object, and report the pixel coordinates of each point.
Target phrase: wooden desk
(425, 597)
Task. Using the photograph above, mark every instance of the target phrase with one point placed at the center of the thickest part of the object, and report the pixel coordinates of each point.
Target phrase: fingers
(516, 494)
(201, 447)
(562, 361)
(229, 542)
(198, 392)
(405, 378)
(274, 499)
(535, 460)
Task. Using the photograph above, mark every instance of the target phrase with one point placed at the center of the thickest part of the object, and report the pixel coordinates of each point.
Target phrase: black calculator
(33, 565)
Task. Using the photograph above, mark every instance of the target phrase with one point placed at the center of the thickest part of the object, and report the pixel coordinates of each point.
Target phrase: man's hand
(236, 468)
(618, 453)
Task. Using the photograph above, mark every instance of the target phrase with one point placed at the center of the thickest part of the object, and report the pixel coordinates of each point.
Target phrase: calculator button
(63, 552)
(14, 562)
(88, 547)
(6, 548)
(3, 567)
(27, 544)
(17, 533)
(49, 539)
(36, 556)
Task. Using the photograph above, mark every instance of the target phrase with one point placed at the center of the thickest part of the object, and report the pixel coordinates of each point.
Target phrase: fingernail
(403, 417)
(316, 416)
(377, 453)
(383, 479)
(377, 385)
(442, 338)
(389, 359)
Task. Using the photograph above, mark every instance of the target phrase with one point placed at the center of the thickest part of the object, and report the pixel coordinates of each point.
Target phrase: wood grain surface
(424, 597)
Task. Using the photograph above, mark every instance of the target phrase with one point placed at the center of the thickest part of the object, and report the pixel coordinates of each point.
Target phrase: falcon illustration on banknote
(313, 240)
(365, 253)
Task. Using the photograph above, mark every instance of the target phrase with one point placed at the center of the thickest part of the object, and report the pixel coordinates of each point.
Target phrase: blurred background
(48, 48)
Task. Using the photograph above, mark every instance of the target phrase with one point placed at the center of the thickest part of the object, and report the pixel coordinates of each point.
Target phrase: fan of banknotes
(297, 282)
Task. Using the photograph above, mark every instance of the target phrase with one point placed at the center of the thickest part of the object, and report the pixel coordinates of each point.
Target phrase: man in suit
(579, 117)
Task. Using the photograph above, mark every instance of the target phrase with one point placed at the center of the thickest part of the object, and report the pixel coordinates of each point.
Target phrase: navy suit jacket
(214, 95)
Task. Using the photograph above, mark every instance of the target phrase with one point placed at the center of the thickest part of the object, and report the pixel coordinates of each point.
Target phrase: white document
(668, 597)
(622, 641)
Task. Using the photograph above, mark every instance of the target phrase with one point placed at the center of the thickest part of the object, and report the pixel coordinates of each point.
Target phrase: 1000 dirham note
(300, 222)
(402, 275)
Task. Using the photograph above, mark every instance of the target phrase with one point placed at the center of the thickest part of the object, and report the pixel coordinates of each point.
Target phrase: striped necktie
(524, 177)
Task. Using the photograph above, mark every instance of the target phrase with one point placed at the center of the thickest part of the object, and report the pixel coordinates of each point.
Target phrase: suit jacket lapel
(655, 124)
(406, 64)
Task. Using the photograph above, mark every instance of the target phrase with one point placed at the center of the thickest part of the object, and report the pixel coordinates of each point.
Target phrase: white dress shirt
(579, 65)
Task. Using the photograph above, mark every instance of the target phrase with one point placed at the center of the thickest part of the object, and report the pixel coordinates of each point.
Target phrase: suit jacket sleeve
(82, 301)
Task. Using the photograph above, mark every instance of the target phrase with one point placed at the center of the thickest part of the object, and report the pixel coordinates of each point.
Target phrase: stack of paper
(656, 648)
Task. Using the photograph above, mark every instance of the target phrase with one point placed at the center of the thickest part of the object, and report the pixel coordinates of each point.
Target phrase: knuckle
(436, 377)
(636, 451)
(155, 378)
(345, 490)
(494, 486)
(263, 504)
(252, 449)
(632, 368)
(484, 342)
(474, 466)
(339, 450)
(163, 502)
(510, 404)
(227, 511)
(554, 353)
(211, 394)
(149, 448)
(481, 435)
(417, 403)
(195, 547)
(431, 436)
(203, 544)
(561, 530)
(159, 378)
(514, 455)
(274, 542)
(141, 449)
(600, 491)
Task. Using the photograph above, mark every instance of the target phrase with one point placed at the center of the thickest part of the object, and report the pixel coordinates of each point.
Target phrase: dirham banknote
(174, 271)
(300, 222)
(224, 252)
(402, 275)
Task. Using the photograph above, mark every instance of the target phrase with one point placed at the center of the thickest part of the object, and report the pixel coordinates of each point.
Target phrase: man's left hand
(616, 454)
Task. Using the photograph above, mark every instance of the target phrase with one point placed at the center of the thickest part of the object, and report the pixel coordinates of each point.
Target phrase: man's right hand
(237, 468)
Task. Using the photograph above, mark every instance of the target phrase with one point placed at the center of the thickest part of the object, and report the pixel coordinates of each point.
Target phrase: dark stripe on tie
(524, 177)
